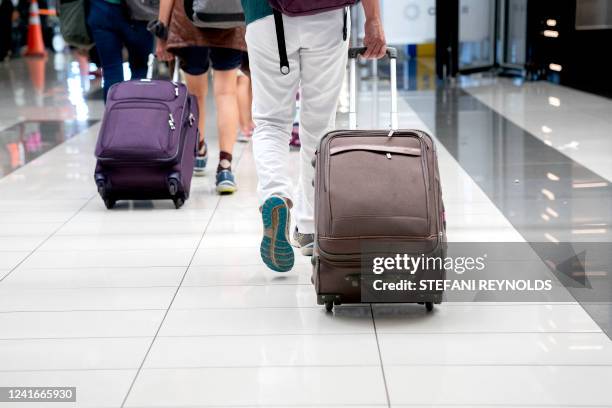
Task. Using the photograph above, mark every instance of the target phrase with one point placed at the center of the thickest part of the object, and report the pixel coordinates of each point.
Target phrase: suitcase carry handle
(353, 54)
(151, 66)
(357, 51)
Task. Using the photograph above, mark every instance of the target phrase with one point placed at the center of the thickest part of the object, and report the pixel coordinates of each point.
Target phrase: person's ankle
(225, 161)
(202, 148)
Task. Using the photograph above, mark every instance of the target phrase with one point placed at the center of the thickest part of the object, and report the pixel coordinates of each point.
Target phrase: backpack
(308, 7)
(143, 10)
(215, 13)
(73, 23)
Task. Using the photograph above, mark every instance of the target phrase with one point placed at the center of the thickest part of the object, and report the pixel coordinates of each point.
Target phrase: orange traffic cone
(36, 45)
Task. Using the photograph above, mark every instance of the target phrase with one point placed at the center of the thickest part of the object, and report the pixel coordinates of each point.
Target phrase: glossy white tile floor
(153, 307)
(576, 123)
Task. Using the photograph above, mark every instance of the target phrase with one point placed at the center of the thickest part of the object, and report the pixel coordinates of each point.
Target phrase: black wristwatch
(158, 29)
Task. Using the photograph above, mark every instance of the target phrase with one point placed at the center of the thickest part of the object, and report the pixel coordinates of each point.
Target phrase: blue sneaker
(201, 160)
(226, 183)
(276, 251)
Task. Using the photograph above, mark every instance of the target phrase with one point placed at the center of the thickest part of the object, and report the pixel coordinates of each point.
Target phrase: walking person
(317, 48)
(112, 30)
(198, 49)
(6, 27)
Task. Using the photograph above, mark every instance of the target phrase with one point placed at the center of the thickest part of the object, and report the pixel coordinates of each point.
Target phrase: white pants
(317, 59)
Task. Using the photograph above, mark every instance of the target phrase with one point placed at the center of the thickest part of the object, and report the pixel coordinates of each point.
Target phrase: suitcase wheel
(179, 202)
(101, 188)
(173, 186)
(429, 306)
(109, 203)
(329, 306)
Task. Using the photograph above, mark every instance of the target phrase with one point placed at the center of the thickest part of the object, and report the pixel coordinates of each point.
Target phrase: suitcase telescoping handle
(151, 68)
(353, 54)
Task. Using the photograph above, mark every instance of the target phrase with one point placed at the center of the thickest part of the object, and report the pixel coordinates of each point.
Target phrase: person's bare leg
(198, 86)
(245, 100)
(226, 98)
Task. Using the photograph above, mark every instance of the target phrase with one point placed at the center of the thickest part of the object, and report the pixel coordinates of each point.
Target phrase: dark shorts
(197, 60)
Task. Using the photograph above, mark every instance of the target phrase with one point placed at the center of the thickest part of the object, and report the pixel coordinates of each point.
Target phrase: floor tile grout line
(290, 334)
(208, 223)
(48, 238)
(371, 405)
(200, 336)
(203, 336)
(64, 288)
(161, 323)
(292, 366)
(276, 405)
(382, 365)
(221, 308)
(203, 367)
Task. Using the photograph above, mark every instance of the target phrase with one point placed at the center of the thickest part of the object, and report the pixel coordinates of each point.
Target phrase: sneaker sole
(226, 189)
(276, 251)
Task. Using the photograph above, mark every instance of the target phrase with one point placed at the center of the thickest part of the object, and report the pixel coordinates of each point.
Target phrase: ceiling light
(551, 34)
(589, 231)
(590, 185)
(552, 176)
(549, 194)
(551, 238)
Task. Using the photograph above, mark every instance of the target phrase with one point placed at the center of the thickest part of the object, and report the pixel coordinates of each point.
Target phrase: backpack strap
(282, 46)
(188, 5)
(345, 27)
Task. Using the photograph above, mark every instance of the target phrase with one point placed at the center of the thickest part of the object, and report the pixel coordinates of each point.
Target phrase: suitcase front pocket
(378, 191)
(143, 131)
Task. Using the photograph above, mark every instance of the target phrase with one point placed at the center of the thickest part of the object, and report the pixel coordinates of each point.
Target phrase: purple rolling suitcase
(148, 142)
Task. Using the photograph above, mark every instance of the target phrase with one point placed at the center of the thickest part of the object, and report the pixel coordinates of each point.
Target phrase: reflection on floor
(147, 306)
(547, 196)
(25, 141)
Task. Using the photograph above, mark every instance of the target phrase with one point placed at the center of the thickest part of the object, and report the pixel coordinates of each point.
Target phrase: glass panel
(516, 40)
(476, 33)
(593, 14)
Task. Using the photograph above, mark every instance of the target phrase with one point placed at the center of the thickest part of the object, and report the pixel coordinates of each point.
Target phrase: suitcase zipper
(411, 133)
(331, 136)
(356, 259)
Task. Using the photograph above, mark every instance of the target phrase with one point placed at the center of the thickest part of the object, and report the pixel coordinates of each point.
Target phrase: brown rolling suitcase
(375, 188)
